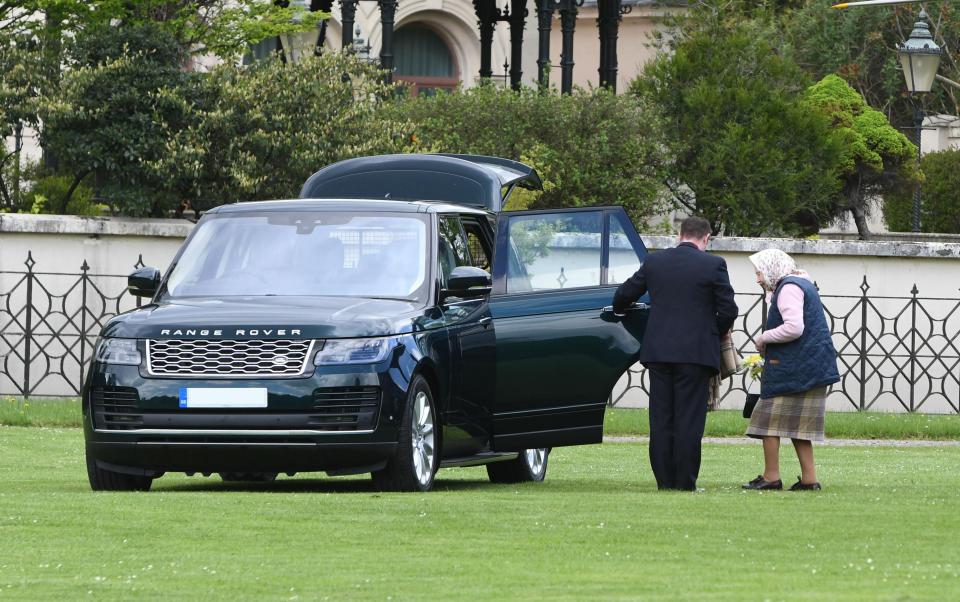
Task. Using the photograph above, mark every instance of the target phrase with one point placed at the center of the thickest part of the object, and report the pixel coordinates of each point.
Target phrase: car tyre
(249, 477)
(107, 480)
(414, 464)
(529, 466)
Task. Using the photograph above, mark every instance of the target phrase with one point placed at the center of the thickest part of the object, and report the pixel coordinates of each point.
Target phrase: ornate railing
(49, 322)
(894, 353)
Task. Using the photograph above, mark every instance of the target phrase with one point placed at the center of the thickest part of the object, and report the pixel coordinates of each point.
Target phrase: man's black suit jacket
(691, 305)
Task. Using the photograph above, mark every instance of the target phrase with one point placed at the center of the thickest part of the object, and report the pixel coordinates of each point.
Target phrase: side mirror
(467, 281)
(144, 282)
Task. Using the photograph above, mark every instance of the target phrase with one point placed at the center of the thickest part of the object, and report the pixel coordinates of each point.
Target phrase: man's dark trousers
(678, 413)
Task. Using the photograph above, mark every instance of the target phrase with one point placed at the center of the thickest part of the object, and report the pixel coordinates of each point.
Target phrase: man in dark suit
(691, 307)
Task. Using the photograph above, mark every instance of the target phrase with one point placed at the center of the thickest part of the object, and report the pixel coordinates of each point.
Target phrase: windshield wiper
(390, 299)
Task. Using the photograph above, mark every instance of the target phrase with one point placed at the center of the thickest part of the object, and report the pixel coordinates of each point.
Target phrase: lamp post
(920, 57)
(360, 47)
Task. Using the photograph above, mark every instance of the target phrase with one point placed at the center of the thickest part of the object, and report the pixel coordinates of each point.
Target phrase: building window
(424, 60)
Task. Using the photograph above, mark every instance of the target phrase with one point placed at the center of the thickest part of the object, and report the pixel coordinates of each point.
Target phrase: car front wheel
(413, 466)
(530, 465)
(108, 480)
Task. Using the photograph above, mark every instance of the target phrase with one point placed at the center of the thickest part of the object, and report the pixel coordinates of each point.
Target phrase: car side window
(555, 251)
(478, 244)
(453, 249)
(625, 259)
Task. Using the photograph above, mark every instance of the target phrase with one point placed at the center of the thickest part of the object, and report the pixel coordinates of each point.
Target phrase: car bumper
(336, 420)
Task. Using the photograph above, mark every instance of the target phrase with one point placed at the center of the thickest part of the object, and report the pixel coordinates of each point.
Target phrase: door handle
(634, 307)
(485, 321)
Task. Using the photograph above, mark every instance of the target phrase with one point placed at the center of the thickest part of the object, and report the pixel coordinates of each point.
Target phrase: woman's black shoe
(760, 483)
(801, 486)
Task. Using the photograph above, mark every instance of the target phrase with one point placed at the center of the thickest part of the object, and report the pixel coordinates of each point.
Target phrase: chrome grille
(235, 358)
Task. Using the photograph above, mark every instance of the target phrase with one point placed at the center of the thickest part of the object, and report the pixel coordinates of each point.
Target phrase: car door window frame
(482, 234)
(639, 249)
(501, 255)
(455, 218)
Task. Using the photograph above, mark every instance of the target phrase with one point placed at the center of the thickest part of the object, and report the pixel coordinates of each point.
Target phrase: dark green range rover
(381, 335)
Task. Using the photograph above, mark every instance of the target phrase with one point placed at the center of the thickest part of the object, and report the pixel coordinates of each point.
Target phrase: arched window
(423, 59)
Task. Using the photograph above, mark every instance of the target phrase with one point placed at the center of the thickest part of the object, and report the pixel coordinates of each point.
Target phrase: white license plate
(223, 398)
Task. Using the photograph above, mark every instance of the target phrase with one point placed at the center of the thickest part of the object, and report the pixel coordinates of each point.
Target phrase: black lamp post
(920, 57)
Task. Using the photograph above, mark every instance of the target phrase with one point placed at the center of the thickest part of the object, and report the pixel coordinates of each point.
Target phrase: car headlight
(353, 351)
(118, 351)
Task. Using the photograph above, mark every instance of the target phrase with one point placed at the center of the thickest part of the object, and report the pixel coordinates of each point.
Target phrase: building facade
(437, 43)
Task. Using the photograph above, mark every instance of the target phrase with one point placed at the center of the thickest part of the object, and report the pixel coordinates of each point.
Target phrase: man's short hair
(694, 228)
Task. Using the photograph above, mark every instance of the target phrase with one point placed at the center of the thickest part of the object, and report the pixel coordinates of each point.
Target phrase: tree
(940, 207)
(589, 147)
(743, 151)
(222, 27)
(860, 46)
(23, 80)
(258, 132)
(113, 112)
(874, 156)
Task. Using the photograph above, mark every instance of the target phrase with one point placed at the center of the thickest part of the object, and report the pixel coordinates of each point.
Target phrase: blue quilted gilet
(804, 363)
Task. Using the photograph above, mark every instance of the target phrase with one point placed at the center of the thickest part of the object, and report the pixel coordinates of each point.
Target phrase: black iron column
(325, 6)
(545, 10)
(518, 18)
(486, 20)
(608, 24)
(388, 12)
(568, 23)
(348, 14)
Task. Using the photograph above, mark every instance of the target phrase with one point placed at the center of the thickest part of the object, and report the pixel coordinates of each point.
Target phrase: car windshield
(287, 253)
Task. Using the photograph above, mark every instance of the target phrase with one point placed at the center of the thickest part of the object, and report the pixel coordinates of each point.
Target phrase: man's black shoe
(759, 484)
(801, 486)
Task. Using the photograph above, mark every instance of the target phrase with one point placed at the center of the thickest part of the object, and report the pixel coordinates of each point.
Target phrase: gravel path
(834, 442)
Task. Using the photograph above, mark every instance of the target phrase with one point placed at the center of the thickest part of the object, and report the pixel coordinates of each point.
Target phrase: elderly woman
(800, 362)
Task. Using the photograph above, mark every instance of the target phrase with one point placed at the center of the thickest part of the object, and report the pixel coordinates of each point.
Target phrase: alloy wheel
(536, 459)
(424, 456)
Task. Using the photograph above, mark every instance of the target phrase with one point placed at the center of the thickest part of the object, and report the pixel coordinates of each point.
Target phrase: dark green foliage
(940, 202)
(258, 132)
(113, 112)
(744, 152)
(590, 147)
(46, 191)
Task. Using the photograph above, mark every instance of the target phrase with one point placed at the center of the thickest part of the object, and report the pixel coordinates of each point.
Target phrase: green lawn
(725, 423)
(884, 528)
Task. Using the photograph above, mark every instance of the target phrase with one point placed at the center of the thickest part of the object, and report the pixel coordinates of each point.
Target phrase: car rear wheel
(530, 465)
(254, 477)
(108, 480)
(413, 466)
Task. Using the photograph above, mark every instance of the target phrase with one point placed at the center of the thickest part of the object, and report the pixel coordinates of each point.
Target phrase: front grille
(345, 408)
(206, 357)
(116, 408)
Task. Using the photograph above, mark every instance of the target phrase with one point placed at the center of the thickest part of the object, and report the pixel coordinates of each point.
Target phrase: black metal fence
(895, 353)
(49, 322)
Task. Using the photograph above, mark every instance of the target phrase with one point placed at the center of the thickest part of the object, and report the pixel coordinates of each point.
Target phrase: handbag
(752, 399)
(730, 359)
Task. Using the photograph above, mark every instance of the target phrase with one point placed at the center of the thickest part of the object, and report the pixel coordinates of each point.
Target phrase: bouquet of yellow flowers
(754, 366)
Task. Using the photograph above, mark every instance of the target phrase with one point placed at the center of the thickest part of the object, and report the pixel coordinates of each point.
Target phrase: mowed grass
(837, 425)
(619, 421)
(884, 528)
